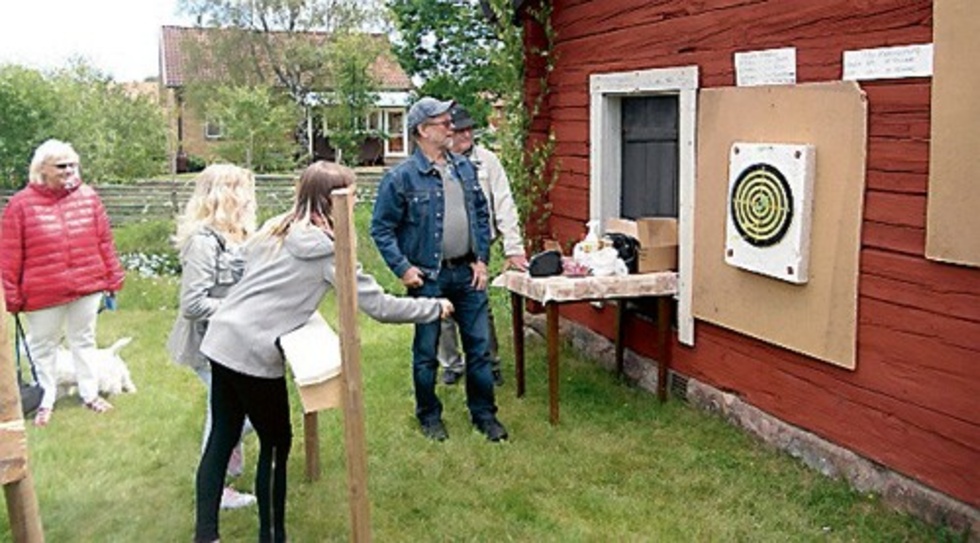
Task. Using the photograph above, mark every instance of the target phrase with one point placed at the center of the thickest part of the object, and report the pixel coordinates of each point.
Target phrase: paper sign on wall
(888, 62)
(768, 67)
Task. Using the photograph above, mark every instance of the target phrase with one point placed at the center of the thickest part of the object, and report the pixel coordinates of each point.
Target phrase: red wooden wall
(913, 404)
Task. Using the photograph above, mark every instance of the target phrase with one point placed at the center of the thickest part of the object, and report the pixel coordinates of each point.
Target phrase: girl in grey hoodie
(290, 267)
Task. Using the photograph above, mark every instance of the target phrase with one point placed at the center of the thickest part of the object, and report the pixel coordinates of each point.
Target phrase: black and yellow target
(761, 205)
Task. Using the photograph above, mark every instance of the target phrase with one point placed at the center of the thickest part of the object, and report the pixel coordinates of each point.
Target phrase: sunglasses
(66, 165)
(447, 124)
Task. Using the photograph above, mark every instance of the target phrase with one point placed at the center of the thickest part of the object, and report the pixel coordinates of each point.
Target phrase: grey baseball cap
(426, 108)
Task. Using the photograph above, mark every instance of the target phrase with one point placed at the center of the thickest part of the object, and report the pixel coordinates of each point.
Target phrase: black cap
(461, 118)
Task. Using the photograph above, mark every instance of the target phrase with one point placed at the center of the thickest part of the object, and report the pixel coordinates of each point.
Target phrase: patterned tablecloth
(569, 289)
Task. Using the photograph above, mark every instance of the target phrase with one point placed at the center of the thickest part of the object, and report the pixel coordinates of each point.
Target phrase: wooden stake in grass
(345, 247)
(15, 473)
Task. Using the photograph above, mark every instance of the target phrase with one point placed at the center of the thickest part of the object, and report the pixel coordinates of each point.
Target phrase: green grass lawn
(619, 467)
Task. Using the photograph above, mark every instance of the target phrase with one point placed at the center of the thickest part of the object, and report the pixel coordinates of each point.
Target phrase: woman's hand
(447, 308)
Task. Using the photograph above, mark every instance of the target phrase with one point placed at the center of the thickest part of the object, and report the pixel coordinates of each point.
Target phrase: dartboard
(761, 205)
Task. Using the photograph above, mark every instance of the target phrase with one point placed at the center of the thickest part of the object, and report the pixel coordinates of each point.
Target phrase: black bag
(30, 393)
(628, 248)
(545, 264)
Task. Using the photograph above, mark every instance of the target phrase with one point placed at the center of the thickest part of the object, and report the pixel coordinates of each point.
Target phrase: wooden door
(650, 157)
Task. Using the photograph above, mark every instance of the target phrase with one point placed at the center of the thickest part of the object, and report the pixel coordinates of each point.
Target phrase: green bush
(147, 248)
(145, 237)
(196, 163)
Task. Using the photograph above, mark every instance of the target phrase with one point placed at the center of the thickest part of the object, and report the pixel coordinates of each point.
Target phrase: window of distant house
(374, 121)
(396, 132)
(213, 129)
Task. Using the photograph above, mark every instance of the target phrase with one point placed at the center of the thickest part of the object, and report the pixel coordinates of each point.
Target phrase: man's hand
(480, 275)
(413, 278)
(517, 262)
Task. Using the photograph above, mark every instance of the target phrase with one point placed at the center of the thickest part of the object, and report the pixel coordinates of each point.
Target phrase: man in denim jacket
(431, 225)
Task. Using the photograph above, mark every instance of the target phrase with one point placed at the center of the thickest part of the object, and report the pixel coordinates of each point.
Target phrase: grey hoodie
(282, 286)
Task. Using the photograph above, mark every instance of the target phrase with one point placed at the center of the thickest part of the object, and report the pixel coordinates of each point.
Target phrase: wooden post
(311, 441)
(663, 348)
(345, 246)
(551, 309)
(15, 474)
(517, 323)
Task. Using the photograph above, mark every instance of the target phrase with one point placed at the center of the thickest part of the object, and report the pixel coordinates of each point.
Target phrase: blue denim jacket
(410, 208)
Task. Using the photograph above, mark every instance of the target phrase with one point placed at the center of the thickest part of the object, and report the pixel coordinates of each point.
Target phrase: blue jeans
(471, 310)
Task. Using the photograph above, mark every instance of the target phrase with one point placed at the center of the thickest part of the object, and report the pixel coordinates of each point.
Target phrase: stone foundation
(899, 491)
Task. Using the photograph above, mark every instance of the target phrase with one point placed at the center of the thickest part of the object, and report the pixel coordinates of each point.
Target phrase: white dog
(112, 373)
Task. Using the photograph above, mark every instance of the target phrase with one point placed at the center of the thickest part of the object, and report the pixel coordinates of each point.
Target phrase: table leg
(663, 349)
(620, 334)
(311, 439)
(517, 321)
(552, 311)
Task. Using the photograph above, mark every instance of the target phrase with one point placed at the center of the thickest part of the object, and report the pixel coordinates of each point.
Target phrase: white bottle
(583, 249)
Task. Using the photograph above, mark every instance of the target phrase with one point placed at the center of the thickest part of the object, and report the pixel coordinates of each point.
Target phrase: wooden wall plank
(910, 182)
(915, 282)
(895, 208)
(902, 239)
(898, 155)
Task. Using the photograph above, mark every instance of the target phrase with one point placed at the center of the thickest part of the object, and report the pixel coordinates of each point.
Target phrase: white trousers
(75, 322)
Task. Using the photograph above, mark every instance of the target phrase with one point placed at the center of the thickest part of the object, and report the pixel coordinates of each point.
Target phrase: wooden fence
(152, 200)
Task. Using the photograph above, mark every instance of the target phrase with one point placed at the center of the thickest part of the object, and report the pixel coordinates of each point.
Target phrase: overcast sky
(117, 36)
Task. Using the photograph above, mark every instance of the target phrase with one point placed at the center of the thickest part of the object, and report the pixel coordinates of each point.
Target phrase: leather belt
(464, 260)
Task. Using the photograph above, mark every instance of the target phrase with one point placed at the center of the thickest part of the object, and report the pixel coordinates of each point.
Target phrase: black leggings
(266, 403)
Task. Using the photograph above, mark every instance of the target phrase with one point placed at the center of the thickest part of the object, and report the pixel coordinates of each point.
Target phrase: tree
(268, 36)
(254, 122)
(27, 107)
(449, 45)
(118, 136)
(305, 47)
(350, 61)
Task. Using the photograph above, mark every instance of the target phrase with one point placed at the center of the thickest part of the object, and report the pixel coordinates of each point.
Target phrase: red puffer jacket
(55, 247)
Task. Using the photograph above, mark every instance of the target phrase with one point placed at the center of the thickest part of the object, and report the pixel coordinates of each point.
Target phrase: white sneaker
(236, 464)
(233, 499)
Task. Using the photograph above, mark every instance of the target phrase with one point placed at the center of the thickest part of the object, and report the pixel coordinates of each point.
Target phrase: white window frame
(387, 133)
(210, 134)
(606, 93)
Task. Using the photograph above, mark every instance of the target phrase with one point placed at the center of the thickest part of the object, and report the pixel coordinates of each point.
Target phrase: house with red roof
(191, 55)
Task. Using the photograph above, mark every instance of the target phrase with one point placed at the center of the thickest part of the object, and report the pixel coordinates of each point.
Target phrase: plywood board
(322, 396)
(952, 223)
(819, 318)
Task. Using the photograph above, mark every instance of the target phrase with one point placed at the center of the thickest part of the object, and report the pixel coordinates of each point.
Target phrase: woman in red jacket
(58, 259)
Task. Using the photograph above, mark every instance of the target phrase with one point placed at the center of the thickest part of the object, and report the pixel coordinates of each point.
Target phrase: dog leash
(21, 338)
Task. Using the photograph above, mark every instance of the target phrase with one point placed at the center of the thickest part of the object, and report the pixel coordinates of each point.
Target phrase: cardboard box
(658, 241)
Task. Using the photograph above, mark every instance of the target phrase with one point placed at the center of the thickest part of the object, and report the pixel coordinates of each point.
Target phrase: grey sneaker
(493, 429)
(435, 430)
(451, 377)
